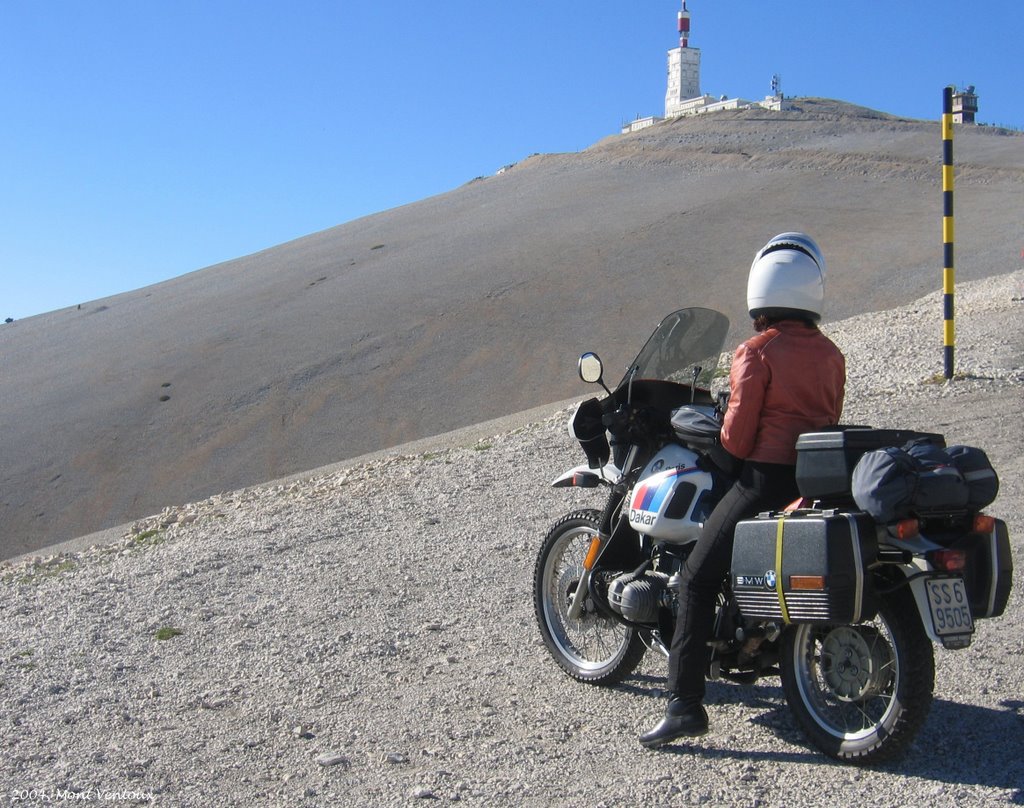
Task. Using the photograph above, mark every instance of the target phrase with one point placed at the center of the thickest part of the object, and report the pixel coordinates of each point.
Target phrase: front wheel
(861, 692)
(594, 648)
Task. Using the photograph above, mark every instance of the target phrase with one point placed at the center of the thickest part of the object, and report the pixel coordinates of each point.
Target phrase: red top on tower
(684, 26)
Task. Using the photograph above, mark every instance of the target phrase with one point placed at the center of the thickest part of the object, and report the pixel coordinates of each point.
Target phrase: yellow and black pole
(947, 230)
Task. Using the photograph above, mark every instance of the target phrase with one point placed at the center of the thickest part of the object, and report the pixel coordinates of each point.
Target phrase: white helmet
(787, 278)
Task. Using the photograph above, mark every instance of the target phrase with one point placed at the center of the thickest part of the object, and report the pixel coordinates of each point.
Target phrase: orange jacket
(786, 380)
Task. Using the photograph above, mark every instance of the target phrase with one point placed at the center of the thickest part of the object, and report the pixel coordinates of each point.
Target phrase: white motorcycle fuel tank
(670, 500)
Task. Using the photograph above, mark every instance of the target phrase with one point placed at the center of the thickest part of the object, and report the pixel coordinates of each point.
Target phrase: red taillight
(984, 524)
(949, 560)
(907, 529)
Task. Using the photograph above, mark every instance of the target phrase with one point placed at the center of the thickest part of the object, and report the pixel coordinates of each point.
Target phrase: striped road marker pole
(947, 230)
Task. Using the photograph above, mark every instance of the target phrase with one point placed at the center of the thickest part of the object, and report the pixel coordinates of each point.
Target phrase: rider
(789, 378)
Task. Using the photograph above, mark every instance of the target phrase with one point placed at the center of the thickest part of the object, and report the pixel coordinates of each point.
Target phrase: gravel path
(365, 636)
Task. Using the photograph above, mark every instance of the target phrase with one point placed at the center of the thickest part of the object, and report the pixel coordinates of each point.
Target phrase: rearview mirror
(591, 368)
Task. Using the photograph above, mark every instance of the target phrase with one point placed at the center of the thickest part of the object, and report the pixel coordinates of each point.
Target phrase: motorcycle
(844, 608)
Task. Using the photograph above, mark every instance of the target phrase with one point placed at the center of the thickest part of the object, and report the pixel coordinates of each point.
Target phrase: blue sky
(140, 140)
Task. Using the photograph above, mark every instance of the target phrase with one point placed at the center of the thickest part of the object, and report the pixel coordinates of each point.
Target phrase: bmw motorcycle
(844, 608)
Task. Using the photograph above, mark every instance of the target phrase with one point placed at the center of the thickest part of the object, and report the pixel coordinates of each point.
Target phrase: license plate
(951, 613)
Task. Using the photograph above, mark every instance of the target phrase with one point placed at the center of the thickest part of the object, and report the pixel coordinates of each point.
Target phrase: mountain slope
(469, 305)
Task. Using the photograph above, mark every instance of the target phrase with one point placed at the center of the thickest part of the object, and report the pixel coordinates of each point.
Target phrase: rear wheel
(861, 692)
(594, 648)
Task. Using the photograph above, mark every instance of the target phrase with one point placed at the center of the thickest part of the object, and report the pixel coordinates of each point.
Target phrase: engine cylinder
(638, 600)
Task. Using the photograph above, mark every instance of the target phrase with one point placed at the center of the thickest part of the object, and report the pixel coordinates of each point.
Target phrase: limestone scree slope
(470, 305)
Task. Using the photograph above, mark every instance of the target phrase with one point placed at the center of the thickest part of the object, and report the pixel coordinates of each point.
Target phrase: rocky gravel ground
(365, 635)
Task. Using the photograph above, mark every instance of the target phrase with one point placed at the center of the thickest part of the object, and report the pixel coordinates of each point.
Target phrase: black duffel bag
(982, 481)
(895, 483)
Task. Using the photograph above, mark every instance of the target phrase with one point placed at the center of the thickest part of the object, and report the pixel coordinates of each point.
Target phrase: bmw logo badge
(769, 579)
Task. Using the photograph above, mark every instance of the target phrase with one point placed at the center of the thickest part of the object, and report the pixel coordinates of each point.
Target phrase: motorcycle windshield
(685, 348)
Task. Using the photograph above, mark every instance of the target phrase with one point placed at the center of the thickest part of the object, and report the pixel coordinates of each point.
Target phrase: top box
(825, 459)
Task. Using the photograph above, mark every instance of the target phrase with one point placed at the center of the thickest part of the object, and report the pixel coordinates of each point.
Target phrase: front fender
(586, 477)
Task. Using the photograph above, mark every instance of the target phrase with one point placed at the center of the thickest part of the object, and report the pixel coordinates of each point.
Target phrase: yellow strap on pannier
(778, 569)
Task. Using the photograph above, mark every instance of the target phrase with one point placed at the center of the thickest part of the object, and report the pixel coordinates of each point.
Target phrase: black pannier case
(825, 460)
(805, 567)
(989, 572)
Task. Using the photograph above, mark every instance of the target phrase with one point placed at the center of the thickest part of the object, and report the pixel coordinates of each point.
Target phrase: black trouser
(760, 487)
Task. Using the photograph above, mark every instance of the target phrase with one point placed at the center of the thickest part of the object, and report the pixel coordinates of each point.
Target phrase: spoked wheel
(594, 648)
(861, 692)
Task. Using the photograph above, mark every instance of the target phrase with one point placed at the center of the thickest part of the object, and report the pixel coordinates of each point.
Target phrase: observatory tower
(683, 95)
(683, 68)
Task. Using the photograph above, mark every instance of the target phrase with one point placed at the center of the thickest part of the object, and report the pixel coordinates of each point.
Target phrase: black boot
(683, 719)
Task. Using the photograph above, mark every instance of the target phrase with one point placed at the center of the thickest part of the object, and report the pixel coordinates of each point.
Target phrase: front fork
(583, 587)
(611, 522)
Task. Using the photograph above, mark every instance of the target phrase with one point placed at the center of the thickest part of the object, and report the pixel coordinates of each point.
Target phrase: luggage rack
(936, 523)
(939, 522)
